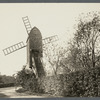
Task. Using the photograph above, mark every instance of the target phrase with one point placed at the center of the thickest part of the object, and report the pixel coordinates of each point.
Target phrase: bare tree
(87, 40)
(54, 55)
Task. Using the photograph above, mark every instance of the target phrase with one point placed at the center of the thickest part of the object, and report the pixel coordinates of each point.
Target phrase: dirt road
(10, 92)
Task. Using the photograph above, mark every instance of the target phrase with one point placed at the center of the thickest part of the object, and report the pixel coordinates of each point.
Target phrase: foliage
(1, 79)
(84, 49)
(55, 54)
(82, 56)
(6, 81)
(83, 83)
(28, 81)
(2, 85)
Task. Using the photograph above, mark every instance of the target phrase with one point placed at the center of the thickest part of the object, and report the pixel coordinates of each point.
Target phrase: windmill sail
(21, 45)
(50, 39)
(14, 48)
(27, 24)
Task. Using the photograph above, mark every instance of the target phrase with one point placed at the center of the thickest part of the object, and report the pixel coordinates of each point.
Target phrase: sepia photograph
(49, 50)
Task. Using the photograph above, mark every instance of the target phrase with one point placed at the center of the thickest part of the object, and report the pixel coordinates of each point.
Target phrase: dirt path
(10, 92)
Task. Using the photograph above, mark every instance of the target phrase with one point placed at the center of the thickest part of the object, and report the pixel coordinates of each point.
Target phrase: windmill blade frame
(21, 45)
(13, 48)
(50, 39)
(27, 24)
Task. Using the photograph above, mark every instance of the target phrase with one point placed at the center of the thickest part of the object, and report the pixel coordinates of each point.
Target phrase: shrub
(2, 85)
(28, 81)
(6, 81)
(84, 83)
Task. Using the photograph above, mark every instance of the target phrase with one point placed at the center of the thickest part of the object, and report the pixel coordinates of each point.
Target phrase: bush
(2, 85)
(6, 81)
(84, 83)
(52, 84)
(28, 81)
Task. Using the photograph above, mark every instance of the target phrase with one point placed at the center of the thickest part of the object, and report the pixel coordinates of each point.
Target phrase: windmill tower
(34, 46)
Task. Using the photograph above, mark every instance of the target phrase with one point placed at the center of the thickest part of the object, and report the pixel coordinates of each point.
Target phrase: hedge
(2, 85)
(84, 83)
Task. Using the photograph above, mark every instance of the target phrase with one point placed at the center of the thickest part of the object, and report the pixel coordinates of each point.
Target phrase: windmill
(34, 46)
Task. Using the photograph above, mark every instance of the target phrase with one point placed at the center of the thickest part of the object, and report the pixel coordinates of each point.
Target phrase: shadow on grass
(3, 95)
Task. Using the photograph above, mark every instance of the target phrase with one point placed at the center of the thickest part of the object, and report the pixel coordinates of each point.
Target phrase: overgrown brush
(28, 81)
(84, 83)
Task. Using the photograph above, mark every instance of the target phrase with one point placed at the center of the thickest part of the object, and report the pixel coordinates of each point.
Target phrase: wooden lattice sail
(50, 39)
(27, 24)
(14, 48)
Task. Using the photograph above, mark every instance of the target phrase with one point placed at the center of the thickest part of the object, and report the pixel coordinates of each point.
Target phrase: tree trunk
(93, 58)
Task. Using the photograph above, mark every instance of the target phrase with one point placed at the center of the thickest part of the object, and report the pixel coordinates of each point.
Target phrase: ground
(10, 92)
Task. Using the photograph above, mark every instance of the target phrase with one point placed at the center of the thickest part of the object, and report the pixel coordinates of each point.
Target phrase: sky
(50, 18)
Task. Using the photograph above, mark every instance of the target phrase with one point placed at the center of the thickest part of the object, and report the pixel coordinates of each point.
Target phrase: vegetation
(80, 60)
(28, 81)
(6, 81)
(84, 49)
(55, 55)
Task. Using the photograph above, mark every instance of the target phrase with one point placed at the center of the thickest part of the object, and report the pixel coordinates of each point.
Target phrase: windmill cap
(34, 29)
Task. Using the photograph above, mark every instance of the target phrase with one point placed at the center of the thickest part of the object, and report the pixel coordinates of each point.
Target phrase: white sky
(51, 19)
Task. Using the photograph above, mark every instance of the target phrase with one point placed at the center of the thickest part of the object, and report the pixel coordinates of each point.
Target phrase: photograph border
(52, 1)
(49, 1)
